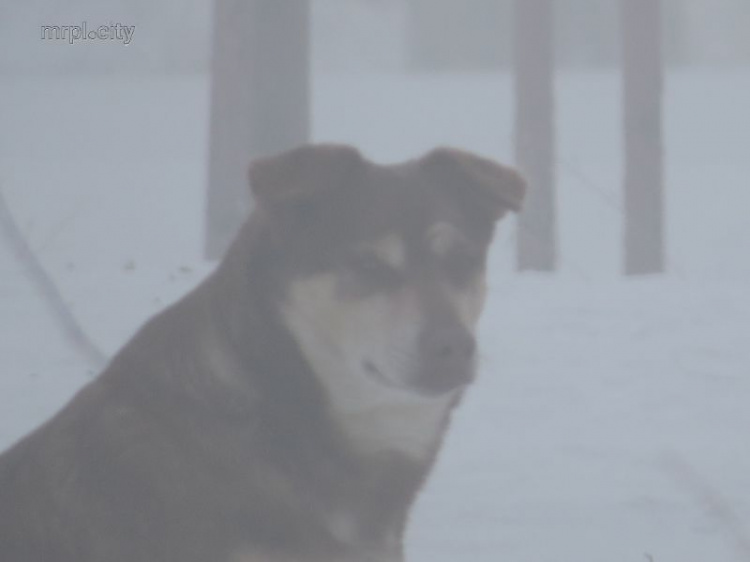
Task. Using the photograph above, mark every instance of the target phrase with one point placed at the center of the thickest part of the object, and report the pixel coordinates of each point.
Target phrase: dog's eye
(373, 271)
(461, 266)
(369, 265)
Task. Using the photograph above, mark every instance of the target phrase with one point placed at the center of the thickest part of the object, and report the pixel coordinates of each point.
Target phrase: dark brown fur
(171, 456)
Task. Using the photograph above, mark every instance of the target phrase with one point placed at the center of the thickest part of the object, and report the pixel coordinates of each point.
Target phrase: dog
(290, 408)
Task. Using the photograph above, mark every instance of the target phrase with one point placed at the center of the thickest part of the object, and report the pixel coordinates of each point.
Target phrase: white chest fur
(408, 425)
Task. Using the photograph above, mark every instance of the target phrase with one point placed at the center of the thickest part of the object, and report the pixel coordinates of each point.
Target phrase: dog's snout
(447, 358)
(449, 344)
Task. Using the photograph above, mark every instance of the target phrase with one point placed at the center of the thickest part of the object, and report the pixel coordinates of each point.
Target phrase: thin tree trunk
(533, 55)
(259, 101)
(45, 286)
(642, 78)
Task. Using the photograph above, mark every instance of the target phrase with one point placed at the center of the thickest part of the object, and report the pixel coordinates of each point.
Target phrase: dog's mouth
(377, 375)
(429, 387)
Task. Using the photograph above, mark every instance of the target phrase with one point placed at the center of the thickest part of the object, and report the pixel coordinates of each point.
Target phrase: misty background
(368, 35)
(611, 416)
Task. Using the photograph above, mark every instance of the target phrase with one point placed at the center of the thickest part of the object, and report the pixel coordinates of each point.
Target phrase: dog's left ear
(497, 188)
(304, 173)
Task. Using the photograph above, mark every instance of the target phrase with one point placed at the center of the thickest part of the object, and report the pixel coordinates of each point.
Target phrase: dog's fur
(291, 406)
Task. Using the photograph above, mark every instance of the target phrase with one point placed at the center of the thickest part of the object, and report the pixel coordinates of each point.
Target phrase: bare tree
(259, 101)
(642, 114)
(533, 55)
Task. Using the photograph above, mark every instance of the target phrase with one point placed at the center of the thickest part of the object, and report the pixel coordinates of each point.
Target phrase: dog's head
(381, 269)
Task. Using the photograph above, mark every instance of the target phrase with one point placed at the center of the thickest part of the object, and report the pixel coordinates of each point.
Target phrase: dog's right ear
(495, 187)
(302, 174)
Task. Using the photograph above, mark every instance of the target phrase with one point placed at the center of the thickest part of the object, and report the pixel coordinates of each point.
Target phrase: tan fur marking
(391, 250)
(442, 237)
(470, 303)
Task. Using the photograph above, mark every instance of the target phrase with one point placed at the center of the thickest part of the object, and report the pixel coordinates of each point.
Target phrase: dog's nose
(449, 344)
(447, 358)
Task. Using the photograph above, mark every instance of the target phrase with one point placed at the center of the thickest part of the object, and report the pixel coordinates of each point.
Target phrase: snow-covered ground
(612, 417)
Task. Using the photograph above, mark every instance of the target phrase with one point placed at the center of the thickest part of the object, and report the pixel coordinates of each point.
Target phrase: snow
(598, 394)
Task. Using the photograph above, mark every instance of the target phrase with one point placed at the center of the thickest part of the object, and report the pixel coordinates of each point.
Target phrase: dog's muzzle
(448, 359)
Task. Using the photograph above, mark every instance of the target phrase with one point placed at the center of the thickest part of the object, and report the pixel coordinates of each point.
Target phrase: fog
(609, 419)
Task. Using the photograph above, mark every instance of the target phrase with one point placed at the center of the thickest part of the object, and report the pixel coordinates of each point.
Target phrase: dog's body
(291, 406)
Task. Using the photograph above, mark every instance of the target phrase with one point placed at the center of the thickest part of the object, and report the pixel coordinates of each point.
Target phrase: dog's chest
(412, 427)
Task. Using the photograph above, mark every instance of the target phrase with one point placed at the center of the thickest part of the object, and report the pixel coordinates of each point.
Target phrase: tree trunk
(533, 55)
(642, 124)
(259, 101)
